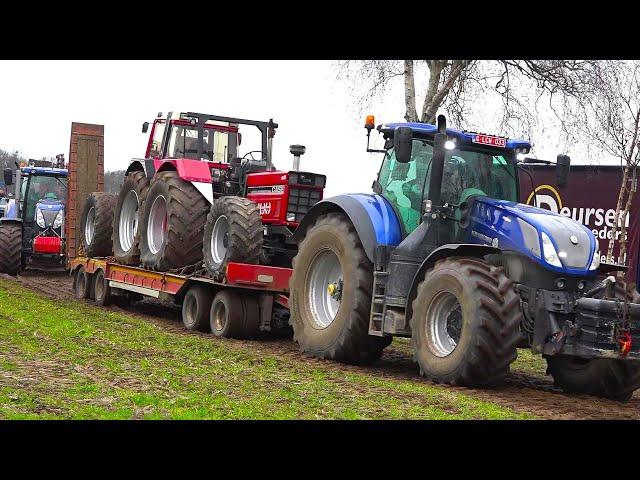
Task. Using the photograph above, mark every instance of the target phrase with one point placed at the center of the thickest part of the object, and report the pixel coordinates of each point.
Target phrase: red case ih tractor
(192, 198)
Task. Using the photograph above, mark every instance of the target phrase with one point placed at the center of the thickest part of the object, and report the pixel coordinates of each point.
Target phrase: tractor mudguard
(448, 250)
(11, 220)
(372, 216)
(145, 165)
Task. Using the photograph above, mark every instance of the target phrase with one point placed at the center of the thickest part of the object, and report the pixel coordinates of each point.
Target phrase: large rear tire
(97, 224)
(126, 217)
(10, 248)
(233, 233)
(465, 323)
(331, 292)
(601, 377)
(172, 223)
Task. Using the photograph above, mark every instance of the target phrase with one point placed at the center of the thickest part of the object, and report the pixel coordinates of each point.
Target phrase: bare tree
(611, 119)
(455, 85)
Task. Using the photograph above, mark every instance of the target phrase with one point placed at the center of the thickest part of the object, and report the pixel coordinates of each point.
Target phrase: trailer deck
(259, 291)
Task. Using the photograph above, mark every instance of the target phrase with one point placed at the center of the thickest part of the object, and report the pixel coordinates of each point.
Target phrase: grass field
(71, 360)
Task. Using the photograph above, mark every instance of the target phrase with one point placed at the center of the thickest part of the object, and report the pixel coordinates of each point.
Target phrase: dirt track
(522, 392)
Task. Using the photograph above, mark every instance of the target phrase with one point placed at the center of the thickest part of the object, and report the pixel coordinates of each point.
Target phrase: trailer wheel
(96, 226)
(10, 248)
(126, 217)
(101, 289)
(195, 308)
(602, 377)
(233, 233)
(465, 323)
(331, 292)
(172, 223)
(82, 284)
(234, 315)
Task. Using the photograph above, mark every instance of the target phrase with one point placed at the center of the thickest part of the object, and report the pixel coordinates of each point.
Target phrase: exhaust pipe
(297, 151)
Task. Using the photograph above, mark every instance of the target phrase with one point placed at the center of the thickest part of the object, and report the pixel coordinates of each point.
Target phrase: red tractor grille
(301, 200)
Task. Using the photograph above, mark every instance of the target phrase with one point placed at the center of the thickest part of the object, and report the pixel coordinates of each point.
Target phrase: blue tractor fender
(372, 216)
(445, 251)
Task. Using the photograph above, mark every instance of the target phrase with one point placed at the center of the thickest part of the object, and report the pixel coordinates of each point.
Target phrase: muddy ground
(522, 392)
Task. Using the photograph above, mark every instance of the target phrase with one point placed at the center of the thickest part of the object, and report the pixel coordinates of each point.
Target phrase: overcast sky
(40, 99)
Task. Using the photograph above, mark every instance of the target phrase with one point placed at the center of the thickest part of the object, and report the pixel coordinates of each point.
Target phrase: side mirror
(145, 127)
(8, 176)
(563, 164)
(402, 144)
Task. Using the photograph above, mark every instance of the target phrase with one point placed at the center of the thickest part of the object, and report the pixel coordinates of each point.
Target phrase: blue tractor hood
(50, 209)
(525, 229)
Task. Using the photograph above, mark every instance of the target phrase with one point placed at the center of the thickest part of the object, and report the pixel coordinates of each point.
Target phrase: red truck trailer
(251, 298)
(589, 197)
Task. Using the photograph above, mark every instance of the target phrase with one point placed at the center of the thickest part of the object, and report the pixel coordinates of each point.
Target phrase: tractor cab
(474, 164)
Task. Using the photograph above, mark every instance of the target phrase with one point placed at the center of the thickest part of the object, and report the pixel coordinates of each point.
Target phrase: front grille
(301, 200)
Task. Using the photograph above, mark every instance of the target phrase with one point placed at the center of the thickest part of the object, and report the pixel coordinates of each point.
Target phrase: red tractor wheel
(126, 218)
(172, 223)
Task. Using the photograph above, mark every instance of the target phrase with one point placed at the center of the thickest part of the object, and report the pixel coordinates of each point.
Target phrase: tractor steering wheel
(244, 157)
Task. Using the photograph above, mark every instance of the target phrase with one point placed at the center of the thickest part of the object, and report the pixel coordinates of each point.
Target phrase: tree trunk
(623, 231)
(623, 189)
(411, 114)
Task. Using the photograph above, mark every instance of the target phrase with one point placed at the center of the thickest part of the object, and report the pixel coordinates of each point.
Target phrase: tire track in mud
(521, 392)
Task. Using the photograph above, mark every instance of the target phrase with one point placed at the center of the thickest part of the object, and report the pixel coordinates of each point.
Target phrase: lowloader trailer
(251, 299)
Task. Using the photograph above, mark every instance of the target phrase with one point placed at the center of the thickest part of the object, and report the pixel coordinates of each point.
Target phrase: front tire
(10, 248)
(97, 224)
(465, 323)
(126, 238)
(233, 233)
(331, 292)
(601, 377)
(172, 223)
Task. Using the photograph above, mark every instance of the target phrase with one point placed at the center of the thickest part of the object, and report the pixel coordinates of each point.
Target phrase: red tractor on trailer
(194, 206)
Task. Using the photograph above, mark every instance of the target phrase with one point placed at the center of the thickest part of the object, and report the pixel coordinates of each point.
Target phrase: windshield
(183, 143)
(478, 173)
(44, 187)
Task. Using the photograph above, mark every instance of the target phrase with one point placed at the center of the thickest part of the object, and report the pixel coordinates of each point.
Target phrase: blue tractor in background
(32, 227)
(442, 253)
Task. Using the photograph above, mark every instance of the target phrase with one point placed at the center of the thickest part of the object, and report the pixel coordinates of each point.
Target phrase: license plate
(490, 140)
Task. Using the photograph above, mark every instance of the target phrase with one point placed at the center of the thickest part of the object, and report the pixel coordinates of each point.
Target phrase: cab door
(403, 184)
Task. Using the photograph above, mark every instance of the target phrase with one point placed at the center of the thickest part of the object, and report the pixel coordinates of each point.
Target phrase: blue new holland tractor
(32, 226)
(442, 253)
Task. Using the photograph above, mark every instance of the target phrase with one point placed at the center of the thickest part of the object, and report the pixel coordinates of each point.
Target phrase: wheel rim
(219, 239)
(190, 310)
(325, 271)
(444, 324)
(99, 286)
(157, 225)
(219, 316)
(90, 227)
(128, 223)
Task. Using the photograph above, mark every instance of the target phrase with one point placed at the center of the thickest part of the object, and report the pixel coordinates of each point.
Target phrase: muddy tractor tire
(172, 223)
(235, 315)
(601, 377)
(96, 226)
(126, 217)
(331, 294)
(233, 233)
(10, 248)
(465, 323)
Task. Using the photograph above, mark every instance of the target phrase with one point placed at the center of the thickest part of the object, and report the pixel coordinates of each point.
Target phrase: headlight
(40, 218)
(595, 263)
(549, 251)
(59, 219)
